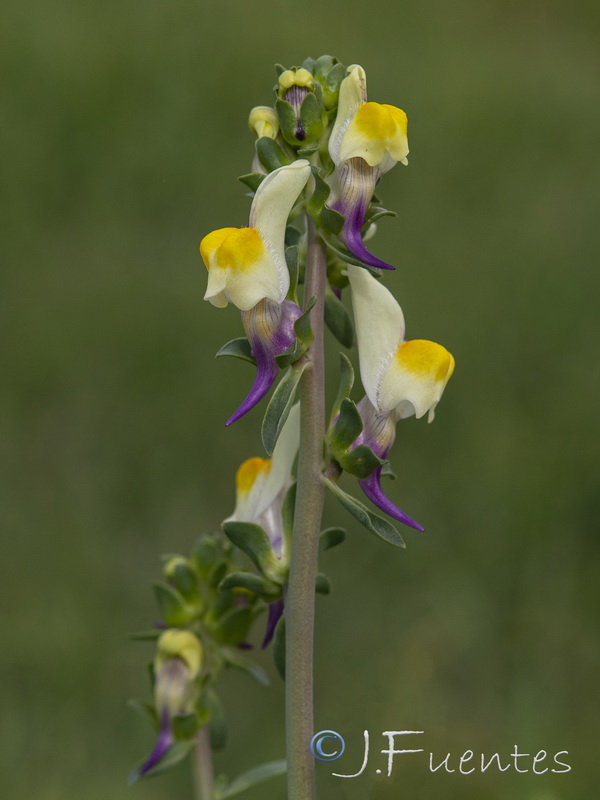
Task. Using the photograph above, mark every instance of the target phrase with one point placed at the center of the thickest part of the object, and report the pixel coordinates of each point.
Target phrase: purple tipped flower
(379, 432)
(354, 183)
(270, 329)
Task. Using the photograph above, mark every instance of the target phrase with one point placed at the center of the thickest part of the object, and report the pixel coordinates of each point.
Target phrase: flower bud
(263, 122)
(300, 107)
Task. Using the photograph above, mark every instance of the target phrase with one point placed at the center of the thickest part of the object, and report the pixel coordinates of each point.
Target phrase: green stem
(300, 601)
(203, 766)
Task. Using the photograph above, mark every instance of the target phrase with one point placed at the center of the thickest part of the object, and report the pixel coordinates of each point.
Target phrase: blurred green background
(123, 131)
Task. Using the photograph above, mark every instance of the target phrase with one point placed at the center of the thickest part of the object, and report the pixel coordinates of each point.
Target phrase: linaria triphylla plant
(320, 152)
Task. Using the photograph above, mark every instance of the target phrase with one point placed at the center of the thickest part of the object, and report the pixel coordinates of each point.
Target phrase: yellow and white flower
(247, 265)
(400, 377)
(261, 485)
(366, 141)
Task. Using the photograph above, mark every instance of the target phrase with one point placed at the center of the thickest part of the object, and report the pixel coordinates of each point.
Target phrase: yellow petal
(416, 378)
(247, 474)
(378, 133)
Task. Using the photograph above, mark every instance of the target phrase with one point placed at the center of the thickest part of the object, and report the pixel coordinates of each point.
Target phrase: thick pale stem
(300, 601)
(203, 766)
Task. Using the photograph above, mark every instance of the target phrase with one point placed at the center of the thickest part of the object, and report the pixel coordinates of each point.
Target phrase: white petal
(271, 206)
(353, 93)
(416, 378)
(273, 476)
(246, 288)
(379, 329)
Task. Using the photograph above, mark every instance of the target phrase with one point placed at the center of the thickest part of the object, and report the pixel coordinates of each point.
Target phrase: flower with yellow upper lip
(401, 378)
(366, 141)
(261, 485)
(247, 267)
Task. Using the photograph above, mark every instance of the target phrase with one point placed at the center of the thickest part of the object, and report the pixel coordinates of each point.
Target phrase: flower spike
(367, 140)
(247, 265)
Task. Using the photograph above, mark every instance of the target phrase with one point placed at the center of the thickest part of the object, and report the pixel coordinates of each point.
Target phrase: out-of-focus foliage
(123, 131)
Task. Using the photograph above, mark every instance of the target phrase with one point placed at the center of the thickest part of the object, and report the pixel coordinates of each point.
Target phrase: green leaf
(291, 259)
(279, 69)
(376, 212)
(233, 626)
(279, 647)
(174, 756)
(373, 522)
(270, 155)
(347, 428)
(320, 194)
(342, 253)
(292, 235)
(287, 512)
(333, 221)
(252, 180)
(185, 580)
(311, 116)
(360, 461)
(144, 709)
(235, 658)
(252, 540)
(252, 778)
(302, 324)
(307, 152)
(253, 583)
(175, 611)
(287, 121)
(338, 319)
(238, 348)
(387, 470)
(322, 584)
(331, 537)
(346, 383)
(217, 574)
(280, 405)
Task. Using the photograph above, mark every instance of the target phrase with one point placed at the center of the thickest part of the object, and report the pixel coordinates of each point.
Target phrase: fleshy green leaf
(238, 348)
(311, 116)
(338, 319)
(233, 626)
(185, 580)
(291, 259)
(280, 405)
(270, 155)
(287, 512)
(387, 470)
(346, 382)
(373, 522)
(346, 256)
(253, 583)
(292, 235)
(253, 777)
(252, 180)
(320, 194)
(333, 221)
(322, 584)
(287, 121)
(252, 540)
(235, 658)
(376, 212)
(331, 537)
(175, 611)
(360, 461)
(347, 428)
